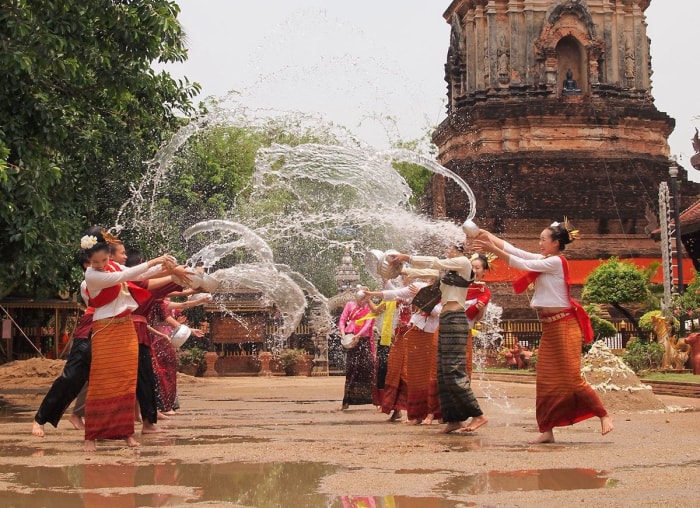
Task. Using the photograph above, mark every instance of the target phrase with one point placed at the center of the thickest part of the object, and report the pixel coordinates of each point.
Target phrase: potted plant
(191, 361)
(294, 362)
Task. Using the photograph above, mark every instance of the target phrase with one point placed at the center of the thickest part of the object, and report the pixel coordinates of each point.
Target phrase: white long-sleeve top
(550, 286)
(426, 322)
(96, 281)
(460, 264)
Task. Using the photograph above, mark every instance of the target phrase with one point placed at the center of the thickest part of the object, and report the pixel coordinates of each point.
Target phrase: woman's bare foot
(170, 413)
(343, 407)
(137, 413)
(150, 428)
(428, 420)
(37, 429)
(77, 422)
(477, 421)
(395, 415)
(545, 437)
(412, 422)
(451, 427)
(90, 445)
(606, 424)
(161, 416)
(131, 442)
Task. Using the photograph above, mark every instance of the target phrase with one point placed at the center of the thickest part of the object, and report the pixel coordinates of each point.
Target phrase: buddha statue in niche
(569, 84)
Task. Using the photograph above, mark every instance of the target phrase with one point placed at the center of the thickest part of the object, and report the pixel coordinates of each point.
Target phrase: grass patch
(675, 377)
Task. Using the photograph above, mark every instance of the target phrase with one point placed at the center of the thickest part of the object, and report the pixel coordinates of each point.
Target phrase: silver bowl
(348, 341)
(387, 268)
(372, 258)
(180, 335)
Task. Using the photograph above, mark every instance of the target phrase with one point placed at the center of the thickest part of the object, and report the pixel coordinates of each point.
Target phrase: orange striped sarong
(563, 396)
(421, 362)
(111, 396)
(395, 384)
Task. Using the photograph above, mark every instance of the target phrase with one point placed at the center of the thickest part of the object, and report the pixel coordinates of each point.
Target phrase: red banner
(579, 269)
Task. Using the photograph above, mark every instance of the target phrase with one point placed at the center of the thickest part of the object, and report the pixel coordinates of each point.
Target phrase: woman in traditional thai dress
(478, 297)
(385, 323)
(359, 360)
(111, 397)
(166, 316)
(457, 400)
(408, 378)
(563, 396)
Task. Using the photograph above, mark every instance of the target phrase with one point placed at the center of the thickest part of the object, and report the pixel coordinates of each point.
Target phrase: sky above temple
(376, 67)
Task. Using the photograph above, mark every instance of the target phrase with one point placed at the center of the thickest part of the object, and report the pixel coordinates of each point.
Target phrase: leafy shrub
(643, 355)
(193, 356)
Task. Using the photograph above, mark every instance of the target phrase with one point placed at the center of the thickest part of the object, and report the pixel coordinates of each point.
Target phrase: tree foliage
(619, 284)
(688, 303)
(81, 110)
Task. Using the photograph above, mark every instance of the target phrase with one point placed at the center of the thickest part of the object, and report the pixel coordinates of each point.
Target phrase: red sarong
(563, 396)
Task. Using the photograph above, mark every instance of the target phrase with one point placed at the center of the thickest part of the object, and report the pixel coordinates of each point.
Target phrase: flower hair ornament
(571, 232)
(490, 256)
(110, 238)
(88, 242)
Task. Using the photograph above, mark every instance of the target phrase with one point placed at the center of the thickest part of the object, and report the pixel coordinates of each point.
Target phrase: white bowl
(202, 281)
(180, 335)
(470, 228)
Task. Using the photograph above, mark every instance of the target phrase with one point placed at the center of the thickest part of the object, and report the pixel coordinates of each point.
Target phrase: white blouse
(426, 322)
(97, 280)
(550, 287)
(460, 264)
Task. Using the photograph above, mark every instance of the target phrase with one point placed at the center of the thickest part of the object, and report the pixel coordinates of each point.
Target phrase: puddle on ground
(396, 502)
(480, 444)
(98, 486)
(10, 450)
(165, 440)
(529, 479)
(261, 485)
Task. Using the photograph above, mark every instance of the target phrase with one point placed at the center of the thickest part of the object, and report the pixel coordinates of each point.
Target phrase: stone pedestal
(210, 358)
(265, 358)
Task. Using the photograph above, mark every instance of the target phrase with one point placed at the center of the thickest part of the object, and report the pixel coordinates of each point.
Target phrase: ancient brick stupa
(551, 114)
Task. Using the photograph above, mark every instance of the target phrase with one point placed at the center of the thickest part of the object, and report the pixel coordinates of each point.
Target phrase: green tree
(619, 284)
(81, 110)
(417, 177)
(688, 304)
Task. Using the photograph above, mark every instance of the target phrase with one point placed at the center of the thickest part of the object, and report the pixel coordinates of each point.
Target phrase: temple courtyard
(280, 441)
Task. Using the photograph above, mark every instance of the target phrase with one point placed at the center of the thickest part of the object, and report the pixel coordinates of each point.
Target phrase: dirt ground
(279, 441)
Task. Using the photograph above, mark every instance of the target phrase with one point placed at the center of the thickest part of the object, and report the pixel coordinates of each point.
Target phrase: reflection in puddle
(260, 485)
(9, 450)
(396, 502)
(533, 479)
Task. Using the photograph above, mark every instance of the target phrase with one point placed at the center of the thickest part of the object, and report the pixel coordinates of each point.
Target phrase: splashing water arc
(304, 204)
(403, 155)
(275, 287)
(212, 253)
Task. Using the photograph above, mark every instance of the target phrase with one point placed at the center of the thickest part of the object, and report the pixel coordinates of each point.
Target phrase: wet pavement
(273, 442)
